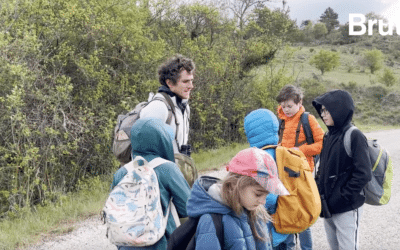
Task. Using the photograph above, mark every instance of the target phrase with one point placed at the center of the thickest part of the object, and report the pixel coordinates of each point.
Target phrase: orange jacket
(289, 134)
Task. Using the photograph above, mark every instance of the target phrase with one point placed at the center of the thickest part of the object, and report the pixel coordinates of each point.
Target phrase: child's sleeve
(178, 187)
(271, 203)
(318, 135)
(118, 176)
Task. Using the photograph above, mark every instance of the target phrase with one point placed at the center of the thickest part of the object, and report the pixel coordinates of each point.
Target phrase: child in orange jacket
(290, 109)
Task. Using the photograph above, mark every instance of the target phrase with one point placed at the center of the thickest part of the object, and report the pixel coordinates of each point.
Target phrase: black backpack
(183, 238)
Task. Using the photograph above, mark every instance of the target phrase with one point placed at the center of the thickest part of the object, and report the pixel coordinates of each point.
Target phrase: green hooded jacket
(151, 138)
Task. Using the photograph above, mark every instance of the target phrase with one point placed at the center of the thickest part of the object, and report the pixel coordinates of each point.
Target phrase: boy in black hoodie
(340, 178)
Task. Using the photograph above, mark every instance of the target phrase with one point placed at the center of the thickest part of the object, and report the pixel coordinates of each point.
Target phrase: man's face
(183, 86)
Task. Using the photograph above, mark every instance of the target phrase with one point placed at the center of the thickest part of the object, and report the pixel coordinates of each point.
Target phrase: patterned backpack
(133, 212)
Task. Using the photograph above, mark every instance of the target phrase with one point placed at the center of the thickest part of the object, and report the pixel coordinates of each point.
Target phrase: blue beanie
(261, 127)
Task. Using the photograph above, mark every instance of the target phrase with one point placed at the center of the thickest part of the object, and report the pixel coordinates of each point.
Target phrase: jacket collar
(179, 102)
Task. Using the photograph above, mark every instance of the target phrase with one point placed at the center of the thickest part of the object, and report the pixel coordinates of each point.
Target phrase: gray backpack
(122, 148)
(378, 190)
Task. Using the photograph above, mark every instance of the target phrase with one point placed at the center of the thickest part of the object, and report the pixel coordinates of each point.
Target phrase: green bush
(374, 60)
(325, 60)
(68, 68)
(388, 78)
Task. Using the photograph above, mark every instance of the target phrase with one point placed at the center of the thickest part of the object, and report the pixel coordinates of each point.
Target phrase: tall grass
(57, 218)
(216, 158)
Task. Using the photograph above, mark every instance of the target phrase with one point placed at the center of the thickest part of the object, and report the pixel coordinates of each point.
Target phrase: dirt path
(379, 225)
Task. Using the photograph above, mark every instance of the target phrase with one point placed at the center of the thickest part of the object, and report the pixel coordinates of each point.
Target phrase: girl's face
(290, 108)
(253, 196)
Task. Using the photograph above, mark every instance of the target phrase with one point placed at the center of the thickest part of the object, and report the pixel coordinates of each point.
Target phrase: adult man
(176, 78)
(341, 178)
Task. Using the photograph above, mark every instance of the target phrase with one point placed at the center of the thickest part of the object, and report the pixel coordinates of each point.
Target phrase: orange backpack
(299, 210)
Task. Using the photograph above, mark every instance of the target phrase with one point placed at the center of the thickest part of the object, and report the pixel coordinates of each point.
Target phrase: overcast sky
(313, 9)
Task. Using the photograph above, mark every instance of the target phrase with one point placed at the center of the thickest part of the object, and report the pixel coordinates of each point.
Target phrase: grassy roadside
(59, 218)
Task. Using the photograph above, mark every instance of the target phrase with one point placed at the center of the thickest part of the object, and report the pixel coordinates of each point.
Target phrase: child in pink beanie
(240, 198)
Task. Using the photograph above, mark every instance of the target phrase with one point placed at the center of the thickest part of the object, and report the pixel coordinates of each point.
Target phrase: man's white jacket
(159, 110)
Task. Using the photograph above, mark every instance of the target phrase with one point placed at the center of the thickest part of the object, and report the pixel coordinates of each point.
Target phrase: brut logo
(358, 20)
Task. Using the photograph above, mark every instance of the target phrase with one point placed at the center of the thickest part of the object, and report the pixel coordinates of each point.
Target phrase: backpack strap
(171, 108)
(347, 140)
(281, 128)
(155, 163)
(307, 128)
(219, 228)
(170, 113)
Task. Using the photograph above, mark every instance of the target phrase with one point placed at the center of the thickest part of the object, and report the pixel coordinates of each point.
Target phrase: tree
(305, 23)
(330, 18)
(325, 60)
(320, 30)
(241, 8)
(373, 60)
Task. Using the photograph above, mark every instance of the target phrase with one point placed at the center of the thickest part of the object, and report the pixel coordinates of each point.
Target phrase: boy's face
(290, 108)
(326, 116)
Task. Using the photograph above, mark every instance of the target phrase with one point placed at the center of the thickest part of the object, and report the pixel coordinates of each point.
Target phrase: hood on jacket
(151, 138)
(261, 128)
(340, 105)
(204, 199)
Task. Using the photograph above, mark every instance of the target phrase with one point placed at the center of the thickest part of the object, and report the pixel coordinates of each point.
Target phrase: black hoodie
(341, 178)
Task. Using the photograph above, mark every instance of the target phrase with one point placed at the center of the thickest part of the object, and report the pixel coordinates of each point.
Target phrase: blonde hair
(232, 187)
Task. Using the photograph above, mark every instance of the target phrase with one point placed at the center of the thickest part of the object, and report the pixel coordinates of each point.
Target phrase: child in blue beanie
(261, 127)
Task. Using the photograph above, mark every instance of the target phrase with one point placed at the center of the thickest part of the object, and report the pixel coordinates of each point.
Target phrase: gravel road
(379, 225)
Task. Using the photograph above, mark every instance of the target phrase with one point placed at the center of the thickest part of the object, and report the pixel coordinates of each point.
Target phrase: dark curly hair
(290, 92)
(173, 67)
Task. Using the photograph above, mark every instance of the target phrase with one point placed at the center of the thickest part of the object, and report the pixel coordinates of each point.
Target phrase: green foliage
(63, 77)
(373, 60)
(388, 78)
(320, 30)
(69, 67)
(270, 81)
(325, 60)
(330, 18)
(311, 89)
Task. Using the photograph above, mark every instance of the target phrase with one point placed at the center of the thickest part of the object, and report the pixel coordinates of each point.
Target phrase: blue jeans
(305, 239)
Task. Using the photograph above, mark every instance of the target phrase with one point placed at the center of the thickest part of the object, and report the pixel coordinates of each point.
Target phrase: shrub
(388, 78)
(374, 60)
(325, 60)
